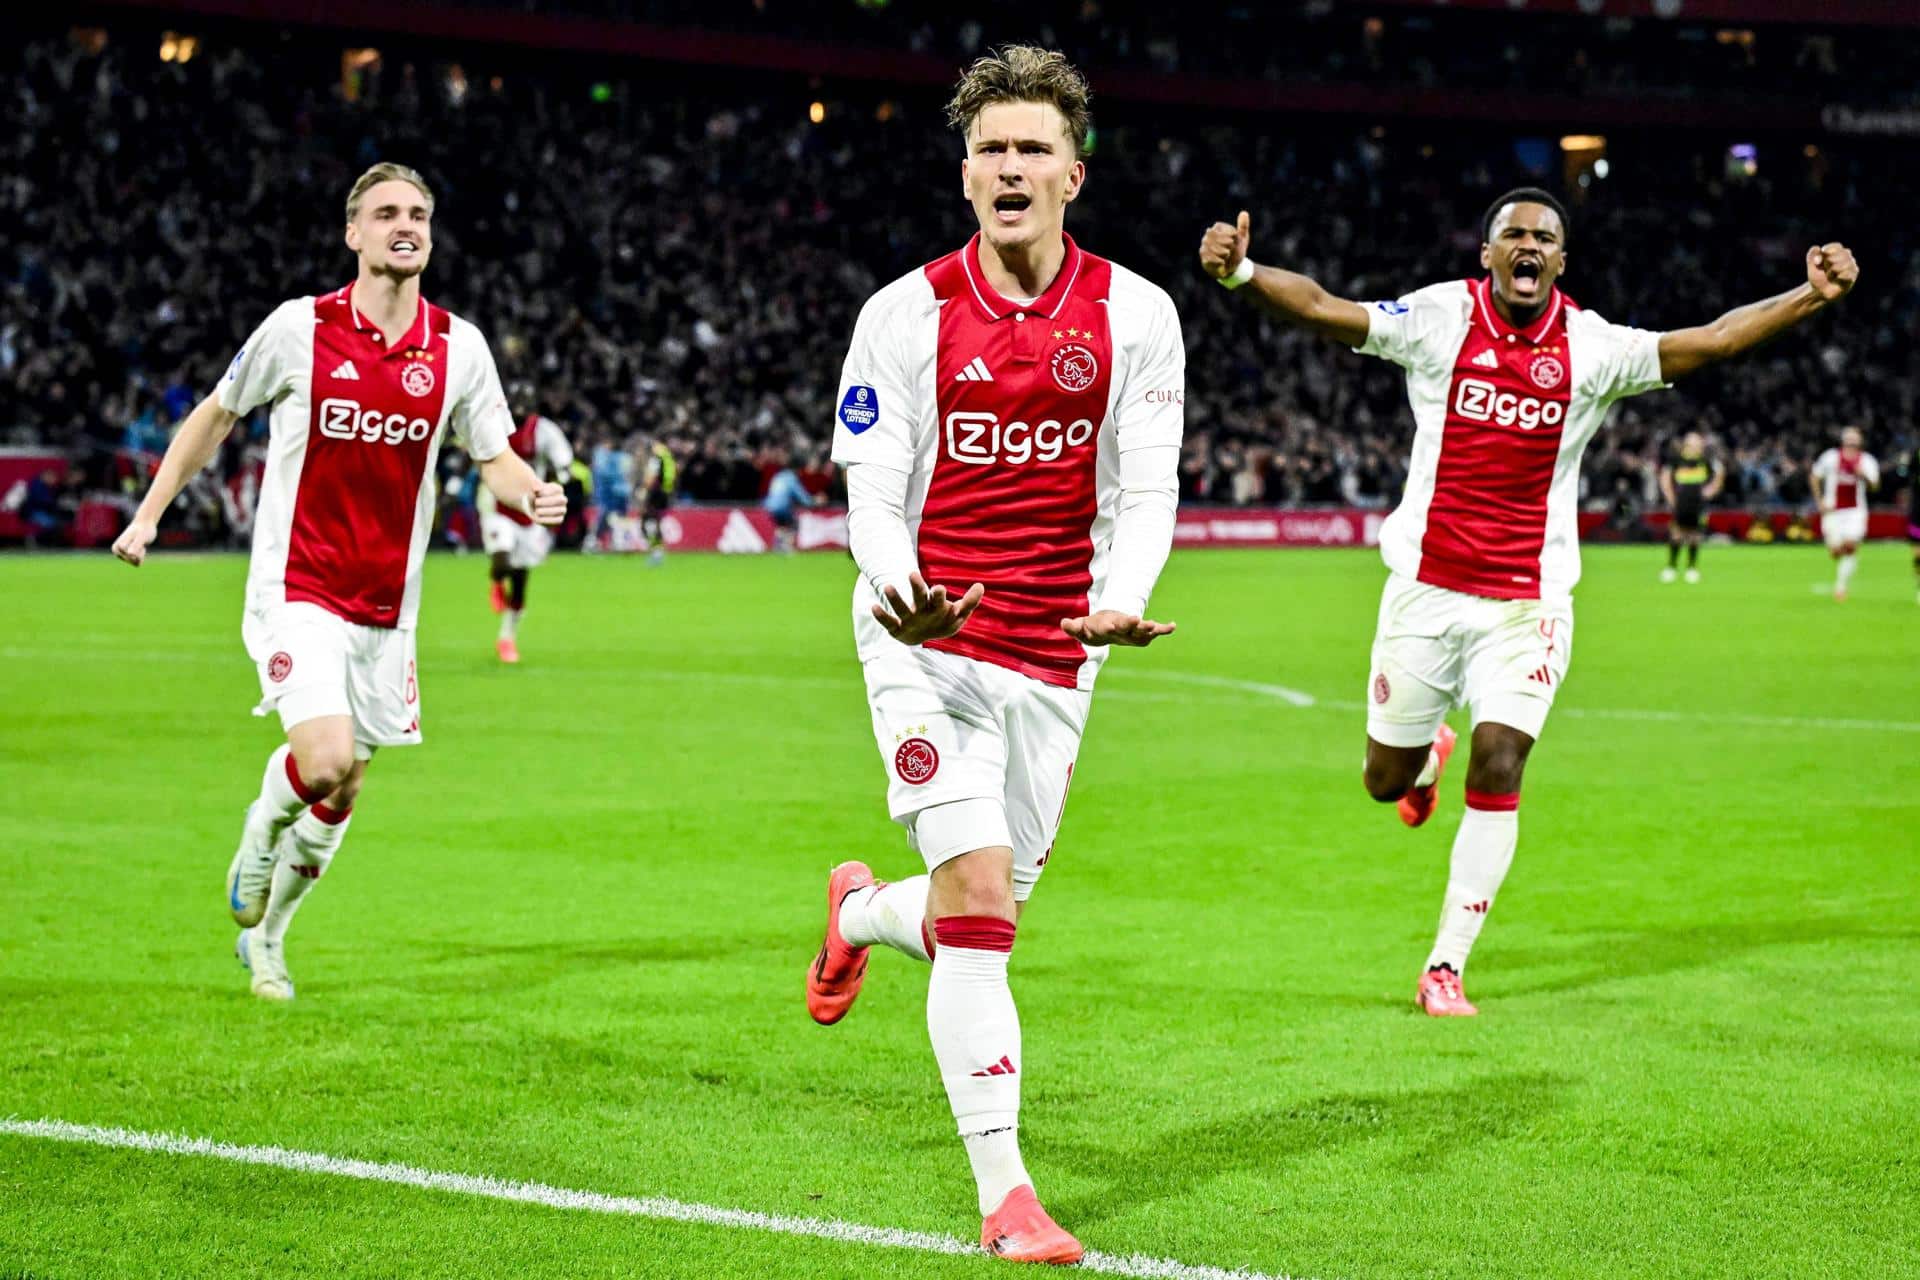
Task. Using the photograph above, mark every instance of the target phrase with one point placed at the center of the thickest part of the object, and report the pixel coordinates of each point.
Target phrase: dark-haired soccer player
(1689, 481)
(1010, 421)
(1508, 381)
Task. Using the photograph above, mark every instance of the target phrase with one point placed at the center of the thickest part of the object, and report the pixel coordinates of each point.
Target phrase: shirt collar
(1489, 315)
(417, 339)
(998, 307)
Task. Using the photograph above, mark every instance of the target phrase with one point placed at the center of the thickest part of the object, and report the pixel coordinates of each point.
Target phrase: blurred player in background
(1841, 480)
(657, 495)
(785, 492)
(516, 543)
(1913, 510)
(1689, 481)
(365, 382)
(1010, 420)
(1508, 380)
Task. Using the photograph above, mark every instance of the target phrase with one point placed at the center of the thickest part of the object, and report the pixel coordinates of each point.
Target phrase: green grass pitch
(565, 939)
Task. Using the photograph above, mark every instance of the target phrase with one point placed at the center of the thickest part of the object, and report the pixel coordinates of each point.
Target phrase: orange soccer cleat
(499, 600)
(1442, 996)
(1419, 803)
(1020, 1231)
(509, 651)
(834, 977)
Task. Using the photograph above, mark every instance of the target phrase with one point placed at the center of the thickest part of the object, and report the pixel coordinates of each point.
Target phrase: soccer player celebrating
(1841, 478)
(364, 383)
(1010, 420)
(1508, 381)
(517, 543)
(1689, 482)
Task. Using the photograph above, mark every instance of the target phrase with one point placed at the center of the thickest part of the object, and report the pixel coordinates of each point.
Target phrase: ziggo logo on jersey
(979, 438)
(1479, 401)
(346, 420)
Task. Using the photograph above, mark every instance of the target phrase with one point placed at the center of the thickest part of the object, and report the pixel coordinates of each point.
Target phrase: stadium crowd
(681, 260)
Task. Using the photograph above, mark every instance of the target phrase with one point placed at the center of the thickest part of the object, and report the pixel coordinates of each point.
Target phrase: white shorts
(989, 751)
(1844, 528)
(526, 545)
(1436, 649)
(313, 663)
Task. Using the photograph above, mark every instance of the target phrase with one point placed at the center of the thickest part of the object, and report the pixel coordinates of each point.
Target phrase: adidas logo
(347, 372)
(1478, 908)
(1004, 1067)
(1543, 675)
(1486, 360)
(976, 371)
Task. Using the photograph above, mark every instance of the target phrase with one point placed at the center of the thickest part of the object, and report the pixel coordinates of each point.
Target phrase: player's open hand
(1222, 247)
(549, 504)
(134, 540)
(931, 616)
(1831, 270)
(1110, 626)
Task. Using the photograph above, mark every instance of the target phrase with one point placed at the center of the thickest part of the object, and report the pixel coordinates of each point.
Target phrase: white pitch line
(659, 1208)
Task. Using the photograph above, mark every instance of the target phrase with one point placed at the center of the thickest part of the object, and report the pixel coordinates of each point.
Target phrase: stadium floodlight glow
(1583, 142)
(1601, 168)
(817, 112)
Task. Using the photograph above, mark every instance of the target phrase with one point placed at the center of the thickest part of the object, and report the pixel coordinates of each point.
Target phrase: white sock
(976, 1040)
(1844, 571)
(1482, 852)
(278, 795)
(1429, 772)
(510, 623)
(311, 843)
(893, 914)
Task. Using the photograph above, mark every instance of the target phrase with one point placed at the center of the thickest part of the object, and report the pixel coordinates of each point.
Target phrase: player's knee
(1384, 781)
(325, 767)
(348, 789)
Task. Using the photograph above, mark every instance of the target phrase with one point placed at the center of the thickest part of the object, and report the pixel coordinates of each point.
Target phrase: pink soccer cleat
(1418, 804)
(509, 651)
(834, 978)
(1020, 1231)
(1442, 996)
(499, 600)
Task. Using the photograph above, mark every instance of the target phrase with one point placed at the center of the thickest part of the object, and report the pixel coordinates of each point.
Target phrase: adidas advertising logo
(976, 371)
(347, 372)
(1486, 360)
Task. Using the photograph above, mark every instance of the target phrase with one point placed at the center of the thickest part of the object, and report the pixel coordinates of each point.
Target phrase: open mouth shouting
(1010, 207)
(1526, 278)
(404, 248)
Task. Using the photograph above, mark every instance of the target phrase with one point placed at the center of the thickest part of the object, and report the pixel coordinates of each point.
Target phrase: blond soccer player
(364, 383)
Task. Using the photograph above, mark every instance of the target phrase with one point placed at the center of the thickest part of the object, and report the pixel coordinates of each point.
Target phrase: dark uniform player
(1912, 469)
(660, 475)
(1689, 481)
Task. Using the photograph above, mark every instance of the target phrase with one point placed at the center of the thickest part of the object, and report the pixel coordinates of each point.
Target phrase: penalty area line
(659, 1208)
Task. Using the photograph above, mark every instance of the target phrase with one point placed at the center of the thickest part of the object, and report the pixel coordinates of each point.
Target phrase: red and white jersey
(1501, 417)
(1009, 419)
(543, 445)
(346, 501)
(1844, 481)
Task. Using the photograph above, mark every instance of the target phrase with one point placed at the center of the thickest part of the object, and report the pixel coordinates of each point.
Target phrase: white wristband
(1239, 275)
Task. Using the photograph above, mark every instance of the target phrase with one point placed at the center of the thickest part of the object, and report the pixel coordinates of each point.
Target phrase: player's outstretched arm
(1295, 298)
(930, 615)
(1831, 274)
(192, 448)
(509, 478)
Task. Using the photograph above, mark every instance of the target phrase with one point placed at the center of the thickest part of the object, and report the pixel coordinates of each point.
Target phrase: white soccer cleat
(250, 875)
(1668, 575)
(267, 961)
(1693, 576)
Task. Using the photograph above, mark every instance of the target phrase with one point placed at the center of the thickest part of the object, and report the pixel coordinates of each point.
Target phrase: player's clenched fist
(1831, 270)
(133, 542)
(549, 503)
(1222, 247)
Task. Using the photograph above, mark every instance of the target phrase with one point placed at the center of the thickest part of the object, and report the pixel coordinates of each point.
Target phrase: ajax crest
(916, 761)
(1075, 367)
(280, 666)
(417, 379)
(1381, 689)
(1546, 371)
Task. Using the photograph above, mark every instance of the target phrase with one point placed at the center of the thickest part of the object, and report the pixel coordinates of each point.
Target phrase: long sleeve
(1143, 527)
(877, 526)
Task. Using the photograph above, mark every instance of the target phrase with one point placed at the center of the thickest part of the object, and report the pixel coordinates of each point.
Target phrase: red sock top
(1494, 801)
(332, 817)
(975, 933)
